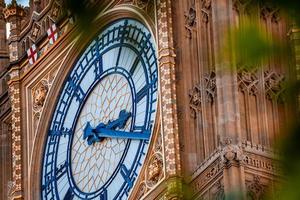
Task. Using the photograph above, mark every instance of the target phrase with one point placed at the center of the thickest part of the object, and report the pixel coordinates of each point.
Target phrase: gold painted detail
(39, 95)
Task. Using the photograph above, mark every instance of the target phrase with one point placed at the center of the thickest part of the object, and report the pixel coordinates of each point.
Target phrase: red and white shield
(52, 34)
(32, 54)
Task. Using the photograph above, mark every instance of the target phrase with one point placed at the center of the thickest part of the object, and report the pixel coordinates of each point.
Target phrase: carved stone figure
(40, 94)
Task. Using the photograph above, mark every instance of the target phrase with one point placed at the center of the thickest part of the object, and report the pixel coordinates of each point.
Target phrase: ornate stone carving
(146, 5)
(39, 94)
(55, 11)
(261, 163)
(231, 152)
(269, 11)
(205, 10)
(255, 190)
(195, 94)
(154, 170)
(190, 21)
(207, 174)
(210, 86)
(195, 100)
(274, 85)
(248, 81)
(241, 5)
(10, 189)
(218, 192)
(35, 31)
(141, 190)
(143, 4)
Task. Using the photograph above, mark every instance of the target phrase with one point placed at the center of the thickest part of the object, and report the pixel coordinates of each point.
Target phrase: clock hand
(104, 133)
(118, 123)
(92, 135)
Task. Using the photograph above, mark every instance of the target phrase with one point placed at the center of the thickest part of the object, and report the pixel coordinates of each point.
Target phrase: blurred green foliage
(251, 46)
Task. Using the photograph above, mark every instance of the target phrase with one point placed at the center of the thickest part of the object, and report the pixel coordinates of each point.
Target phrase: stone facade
(218, 118)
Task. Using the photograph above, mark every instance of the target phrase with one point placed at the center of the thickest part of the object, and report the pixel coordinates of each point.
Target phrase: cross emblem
(52, 34)
(32, 54)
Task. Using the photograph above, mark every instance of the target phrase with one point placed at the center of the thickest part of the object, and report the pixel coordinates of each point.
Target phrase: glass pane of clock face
(93, 165)
(102, 124)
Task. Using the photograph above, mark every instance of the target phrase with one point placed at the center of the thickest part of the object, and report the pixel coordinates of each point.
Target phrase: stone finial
(14, 14)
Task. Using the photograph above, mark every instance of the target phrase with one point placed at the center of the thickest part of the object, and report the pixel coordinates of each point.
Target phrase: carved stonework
(143, 4)
(10, 189)
(209, 91)
(39, 95)
(141, 190)
(218, 191)
(255, 190)
(231, 152)
(248, 81)
(55, 11)
(207, 173)
(269, 11)
(146, 5)
(36, 32)
(154, 170)
(190, 21)
(195, 100)
(241, 6)
(205, 10)
(274, 85)
(256, 162)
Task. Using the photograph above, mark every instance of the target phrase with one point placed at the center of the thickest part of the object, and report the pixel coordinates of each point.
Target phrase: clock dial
(102, 123)
(108, 98)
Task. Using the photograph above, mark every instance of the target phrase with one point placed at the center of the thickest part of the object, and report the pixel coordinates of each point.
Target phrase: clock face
(102, 124)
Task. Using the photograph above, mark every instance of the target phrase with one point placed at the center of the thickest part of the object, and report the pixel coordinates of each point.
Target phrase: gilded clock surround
(103, 20)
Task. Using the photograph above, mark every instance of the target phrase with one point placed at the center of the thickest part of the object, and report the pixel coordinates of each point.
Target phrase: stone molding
(229, 154)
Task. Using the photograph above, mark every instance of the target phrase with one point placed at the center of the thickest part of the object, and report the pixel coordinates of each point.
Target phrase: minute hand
(104, 132)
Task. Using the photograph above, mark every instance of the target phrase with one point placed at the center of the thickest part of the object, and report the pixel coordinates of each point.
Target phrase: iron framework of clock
(102, 123)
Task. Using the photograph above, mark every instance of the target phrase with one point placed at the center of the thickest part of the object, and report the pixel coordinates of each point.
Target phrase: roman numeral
(64, 132)
(98, 67)
(142, 93)
(59, 173)
(125, 173)
(69, 195)
(103, 195)
(61, 170)
(134, 65)
(78, 91)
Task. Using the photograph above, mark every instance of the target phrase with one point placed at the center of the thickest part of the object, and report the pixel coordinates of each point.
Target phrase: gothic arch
(102, 20)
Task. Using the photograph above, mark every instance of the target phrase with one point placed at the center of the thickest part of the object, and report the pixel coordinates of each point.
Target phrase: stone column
(166, 58)
(3, 43)
(15, 97)
(228, 118)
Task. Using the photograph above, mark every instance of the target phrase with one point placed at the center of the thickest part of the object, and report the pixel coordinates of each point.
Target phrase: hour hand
(90, 135)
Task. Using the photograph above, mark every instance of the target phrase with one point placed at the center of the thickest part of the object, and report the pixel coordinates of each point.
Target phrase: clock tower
(137, 102)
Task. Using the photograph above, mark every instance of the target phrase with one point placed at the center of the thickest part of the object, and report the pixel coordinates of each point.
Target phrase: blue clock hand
(92, 135)
(118, 123)
(104, 132)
